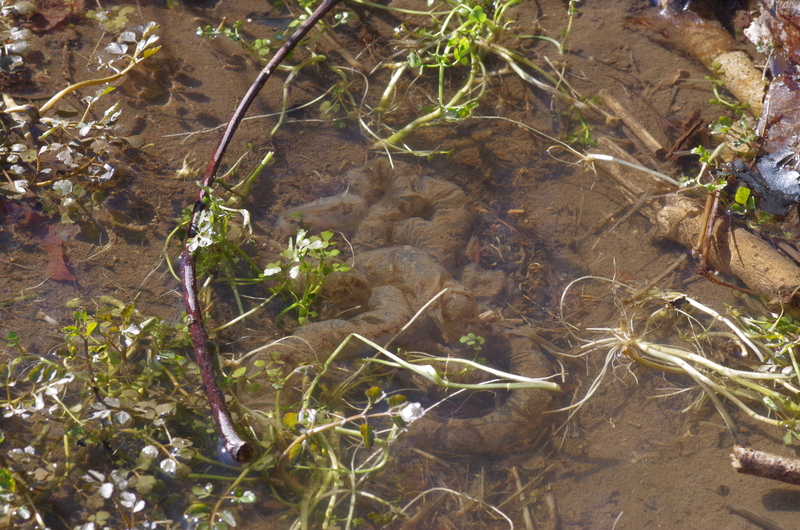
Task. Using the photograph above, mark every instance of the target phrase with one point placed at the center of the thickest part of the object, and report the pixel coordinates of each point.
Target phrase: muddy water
(627, 460)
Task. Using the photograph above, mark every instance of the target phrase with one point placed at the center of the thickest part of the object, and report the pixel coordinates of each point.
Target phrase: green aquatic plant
(77, 205)
(337, 439)
(117, 416)
(307, 261)
(475, 341)
(673, 333)
(462, 38)
(112, 383)
(75, 146)
(716, 84)
(259, 48)
(460, 41)
(113, 20)
(299, 275)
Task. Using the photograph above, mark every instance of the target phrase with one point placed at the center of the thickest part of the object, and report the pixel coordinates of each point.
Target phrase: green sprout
(259, 48)
(475, 341)
(739, 135)
(743, 201)
(716, 84)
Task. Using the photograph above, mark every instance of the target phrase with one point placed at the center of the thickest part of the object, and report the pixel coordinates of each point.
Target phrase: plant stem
(90, 82)
(240, 450)
(400, 135)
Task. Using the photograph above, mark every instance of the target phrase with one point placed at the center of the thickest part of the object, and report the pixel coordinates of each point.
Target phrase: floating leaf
(247, 497)
(169, 466)
(145, 484)
(197, 510)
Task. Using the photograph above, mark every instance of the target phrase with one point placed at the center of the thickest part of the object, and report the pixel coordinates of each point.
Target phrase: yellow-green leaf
(368, 435)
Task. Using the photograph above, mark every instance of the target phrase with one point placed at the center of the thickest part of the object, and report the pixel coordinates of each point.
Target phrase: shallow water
(627, 459)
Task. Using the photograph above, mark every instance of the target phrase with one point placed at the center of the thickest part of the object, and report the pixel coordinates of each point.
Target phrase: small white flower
(129, 334)
(128, 499)
(412, 412)
(272, 270)
(106, 490)
(149, 451)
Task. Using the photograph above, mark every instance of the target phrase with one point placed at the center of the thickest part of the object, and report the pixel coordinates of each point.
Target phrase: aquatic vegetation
(308, 259)
(342, 436)
(750, 362)
(476, 342)
(461, 42)
(113, 20)
(15, 45)
(51, 146)
(464, 38)
(110, 385)
(316, 470)
(121, 423)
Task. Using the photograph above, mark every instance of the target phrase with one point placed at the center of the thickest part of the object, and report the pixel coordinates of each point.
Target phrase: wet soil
(628, 459)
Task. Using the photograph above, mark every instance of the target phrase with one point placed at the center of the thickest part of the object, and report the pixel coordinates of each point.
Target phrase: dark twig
(702, 249)
(240, 450)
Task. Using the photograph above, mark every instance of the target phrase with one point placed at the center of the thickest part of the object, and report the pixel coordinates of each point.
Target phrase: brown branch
(766, 465)
(240, 450)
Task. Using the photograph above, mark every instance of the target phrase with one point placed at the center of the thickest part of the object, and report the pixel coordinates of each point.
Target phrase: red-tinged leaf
(57, 268)
(52, 13)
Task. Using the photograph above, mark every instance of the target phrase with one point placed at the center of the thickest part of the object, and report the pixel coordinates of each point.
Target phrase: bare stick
(240, 450)
(767, 465)
(653, 145)
(759, 520)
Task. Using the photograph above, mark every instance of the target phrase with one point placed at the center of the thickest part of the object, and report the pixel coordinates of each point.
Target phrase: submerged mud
(408, 235)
